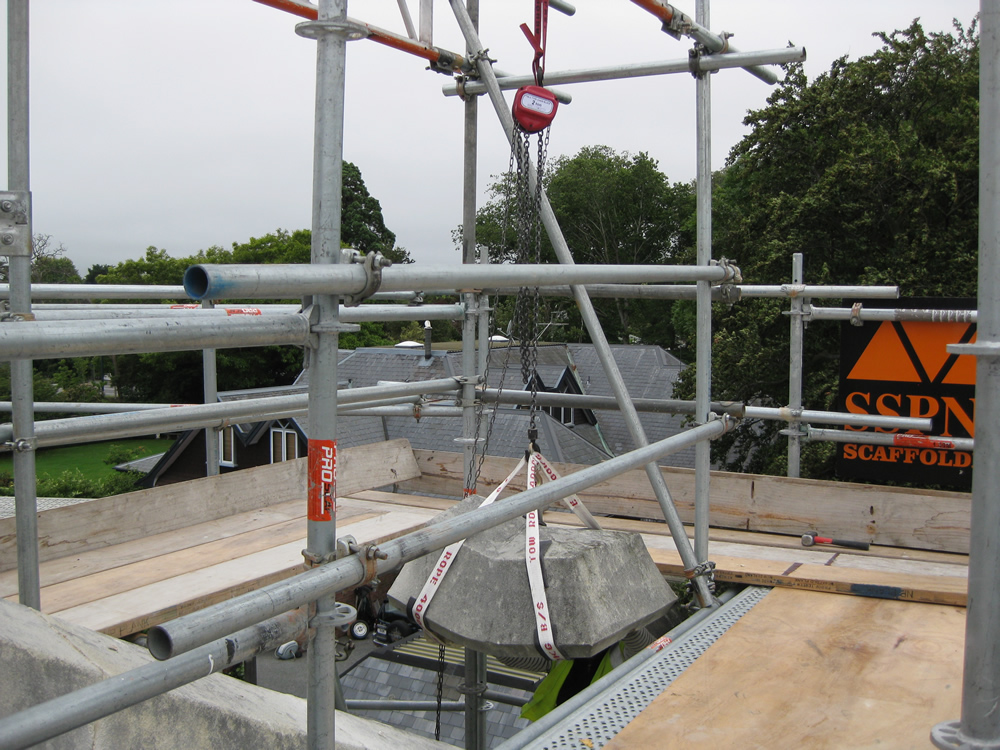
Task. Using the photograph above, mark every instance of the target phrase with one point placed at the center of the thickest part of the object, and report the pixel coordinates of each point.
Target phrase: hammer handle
(842, 543)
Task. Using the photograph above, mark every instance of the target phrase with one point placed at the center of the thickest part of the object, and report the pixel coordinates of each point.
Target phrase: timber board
(125, 612)
(887, 516)
(880, 584)
(64, 569)
(136, 515)
(805, 670)
(737, 543)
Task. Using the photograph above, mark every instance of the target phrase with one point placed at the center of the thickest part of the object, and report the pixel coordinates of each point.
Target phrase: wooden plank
(950, 590)
(888, 516)
(123, 518)
(64, 569)
(404, 500)
(127, 577)
(805, 670)
(120, 614)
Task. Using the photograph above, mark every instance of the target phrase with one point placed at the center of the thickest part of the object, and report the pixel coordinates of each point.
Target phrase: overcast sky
(188, 123)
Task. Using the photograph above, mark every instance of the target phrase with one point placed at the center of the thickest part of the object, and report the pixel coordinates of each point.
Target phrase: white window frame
(228, 461)
(287, 433)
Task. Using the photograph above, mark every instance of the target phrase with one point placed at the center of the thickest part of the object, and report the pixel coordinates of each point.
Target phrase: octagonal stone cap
(600, 585)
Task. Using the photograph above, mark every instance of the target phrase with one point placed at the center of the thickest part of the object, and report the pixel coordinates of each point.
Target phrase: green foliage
(871, 171)
(73, 483)
(177, 377)
(120, 454)
(612, 208)
(371, 334)
(98, 269)
(48, 264)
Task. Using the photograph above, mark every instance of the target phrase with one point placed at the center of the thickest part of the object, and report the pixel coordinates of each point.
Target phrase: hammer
(808, 540)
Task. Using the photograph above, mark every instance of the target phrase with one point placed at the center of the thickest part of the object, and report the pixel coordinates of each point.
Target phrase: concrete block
(42, 657)
(599, 584)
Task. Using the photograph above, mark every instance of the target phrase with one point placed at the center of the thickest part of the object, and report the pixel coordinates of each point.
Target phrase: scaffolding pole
(590, 318)
(331, 32)
(165, 419)
(359, 314)
(979, 726)
(67, 712)
(706, 63)
(19, 266)
(277, 280)
(794, 431)
(190, 631)
(703, 314)
(475, 681)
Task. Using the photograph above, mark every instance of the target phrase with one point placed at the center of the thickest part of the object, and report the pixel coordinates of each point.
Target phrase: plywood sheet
(805, 670)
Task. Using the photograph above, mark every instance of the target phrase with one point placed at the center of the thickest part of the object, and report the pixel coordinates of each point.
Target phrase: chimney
(427, 339)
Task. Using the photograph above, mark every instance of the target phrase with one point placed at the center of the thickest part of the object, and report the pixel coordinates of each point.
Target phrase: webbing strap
(533, 561)
(447, 557)
(572, 502)
(538, 39)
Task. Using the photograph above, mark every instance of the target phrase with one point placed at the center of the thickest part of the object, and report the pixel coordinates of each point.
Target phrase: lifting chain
(528, 238)
(440, 692)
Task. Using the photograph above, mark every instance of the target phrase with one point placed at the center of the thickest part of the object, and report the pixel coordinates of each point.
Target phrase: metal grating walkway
(599, 719)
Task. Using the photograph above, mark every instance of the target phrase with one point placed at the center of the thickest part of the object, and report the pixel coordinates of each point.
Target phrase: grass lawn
(88, 457)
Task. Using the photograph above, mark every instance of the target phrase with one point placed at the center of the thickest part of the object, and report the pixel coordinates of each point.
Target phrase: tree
(156, 267)
(49, 265)
(98, 269)
(176, 377)
(612, 208)
(871, 171)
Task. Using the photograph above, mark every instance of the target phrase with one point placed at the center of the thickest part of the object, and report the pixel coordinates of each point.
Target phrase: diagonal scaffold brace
(699, 574)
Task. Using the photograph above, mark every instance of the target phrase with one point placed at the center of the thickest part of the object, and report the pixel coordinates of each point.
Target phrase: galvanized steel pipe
(819, 291)
(19, 270)
(101, 291)
(637, 70)
(286, 280)
(979, 725)
(359, 314)
(114, 426)
(607, 403)
(786, 414)
(892, 314)
(67, 712)
(676, 22)
(589, 314)
(900, 440)
(58, 340)
(190, 631)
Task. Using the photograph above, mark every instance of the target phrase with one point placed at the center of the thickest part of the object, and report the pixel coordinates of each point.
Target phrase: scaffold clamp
(15, 207)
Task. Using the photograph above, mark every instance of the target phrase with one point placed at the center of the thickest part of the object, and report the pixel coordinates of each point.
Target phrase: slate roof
(142, 465)
(648, 372)
(390, 674)
(250, 431)
(509, 437)
(367, 366)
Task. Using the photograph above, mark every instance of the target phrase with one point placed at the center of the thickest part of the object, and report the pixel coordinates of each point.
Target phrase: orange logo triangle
(963, 372)
(884, 359)
(930, 341)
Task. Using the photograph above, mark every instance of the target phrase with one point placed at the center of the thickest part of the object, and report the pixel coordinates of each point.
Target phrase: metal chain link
(440, 692)
(527, 205)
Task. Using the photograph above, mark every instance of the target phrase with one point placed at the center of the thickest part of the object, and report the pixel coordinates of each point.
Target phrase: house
(580, 436)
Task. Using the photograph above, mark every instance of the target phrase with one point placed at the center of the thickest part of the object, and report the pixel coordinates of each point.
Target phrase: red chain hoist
(534, 106)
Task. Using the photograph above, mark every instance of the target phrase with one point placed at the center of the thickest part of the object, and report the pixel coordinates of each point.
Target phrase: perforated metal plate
(601, 718)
